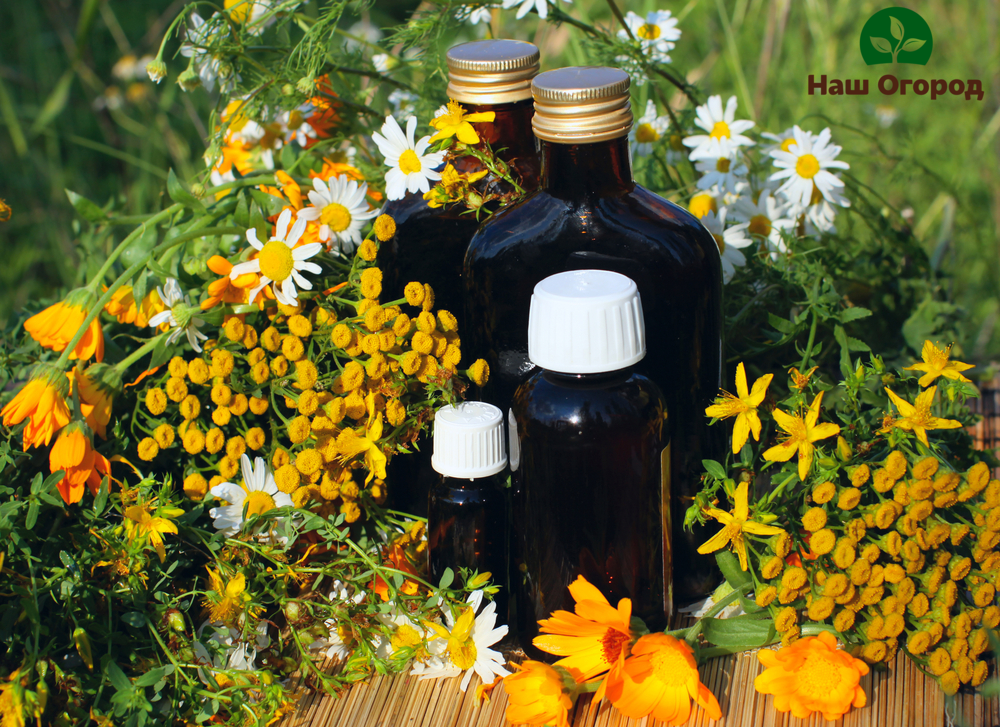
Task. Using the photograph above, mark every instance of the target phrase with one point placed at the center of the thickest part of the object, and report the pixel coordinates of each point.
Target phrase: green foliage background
(936, 162)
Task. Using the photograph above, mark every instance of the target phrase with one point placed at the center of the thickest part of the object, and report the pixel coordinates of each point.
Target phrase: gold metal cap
(581, 105)
(491, 71)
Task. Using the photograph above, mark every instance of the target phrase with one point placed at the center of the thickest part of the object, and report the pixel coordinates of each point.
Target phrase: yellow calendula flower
(736, 524)
(802, 432)
(935, 363)
(743, 406)
(455, 122)
(917, 417)
(141, 525)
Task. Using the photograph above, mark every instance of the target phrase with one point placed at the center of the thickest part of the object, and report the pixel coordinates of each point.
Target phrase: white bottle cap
(586, 322)
(468, 440)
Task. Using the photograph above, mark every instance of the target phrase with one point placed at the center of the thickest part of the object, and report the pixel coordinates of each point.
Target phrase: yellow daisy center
(646, 134)
(276, 260)
(409, 162)
(818, 677)
(807, 166)
(258, 502)
(670, 667)
(760, 225)
(720, 242)
(239, 10)
(720, 130)
(612, 644)
(648, 31)
(336, 216)
(702, 204)
(463, 653)
(722, 165)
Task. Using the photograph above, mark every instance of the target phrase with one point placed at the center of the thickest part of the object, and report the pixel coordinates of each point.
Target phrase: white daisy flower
(819, 215)
(381, 62)
(180, 314)
(730, 240)
(250, 13)
(402, 102)
(474, 16)
(468, 631)
(720, 124)
(341, 210)
(410, 170)
(648, 130)
(333, 646)
(405, 633)
(280, 262)
(804, 166)
(362, 33)
(656, 33)
(541, 6)
(886, 115)
(765, 218)
(258, 493)
(210, 68)
(722, 166)
(780, 141)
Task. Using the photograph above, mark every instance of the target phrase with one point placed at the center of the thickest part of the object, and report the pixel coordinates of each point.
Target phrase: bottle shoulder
(597, 401)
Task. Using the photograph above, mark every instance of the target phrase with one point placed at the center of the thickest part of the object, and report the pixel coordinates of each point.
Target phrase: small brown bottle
(589, 213)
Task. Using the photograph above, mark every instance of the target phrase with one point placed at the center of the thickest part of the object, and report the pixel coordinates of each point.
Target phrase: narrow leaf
(729, 564)
(84, 207)
(179, 194)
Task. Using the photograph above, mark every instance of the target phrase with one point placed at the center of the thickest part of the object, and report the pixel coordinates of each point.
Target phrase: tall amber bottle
(589, 213)
(429, 244)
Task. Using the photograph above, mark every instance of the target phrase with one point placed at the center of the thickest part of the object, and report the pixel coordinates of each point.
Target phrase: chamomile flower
(730, 241)
(722, 166)
(402, 102)
(380, 61)
(474, 16)
(341, 210)
(466, 645)
(180, 315)
(804, 166)
(781, 141)
(820, 214)
(333, 645)
(210, 68)
(541, 6)
(656, 33)
(405, 633)
(648, 130)
(223, 648)
(279, 262)
(766, 218)
(258, 494)
(254, 15)
(720, 124)
(410, 169)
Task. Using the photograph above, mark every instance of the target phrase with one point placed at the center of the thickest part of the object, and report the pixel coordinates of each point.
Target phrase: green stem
(807, 355)
(123, 245)
(122, 365)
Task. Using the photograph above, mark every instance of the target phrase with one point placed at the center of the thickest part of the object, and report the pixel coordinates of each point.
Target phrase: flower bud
(189, 80)
(288, 89)
(175, 620)
(844, 449)
(157, 70)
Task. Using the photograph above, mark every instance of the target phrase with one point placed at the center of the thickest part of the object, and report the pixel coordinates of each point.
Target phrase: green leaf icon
(881, 45)
(913, 44)
(897, 28)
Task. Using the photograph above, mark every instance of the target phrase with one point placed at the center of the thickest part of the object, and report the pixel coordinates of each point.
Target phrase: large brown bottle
(429, 244)
(589, 213)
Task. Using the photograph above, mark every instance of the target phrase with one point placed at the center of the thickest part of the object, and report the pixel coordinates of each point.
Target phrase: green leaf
(139, 287)
(161, 353)
(446, 578)
(55, 103)
(913, 44)
(102, 496)
(140, 247)
(152, 676)
(32, 516)
(268, 202)
(84, 207)
(180, 195)
(896, 27)
(740, 633)
(881, 45)
(714, 468)
(729, 564)
(780, 324)
(135, 619)
(242, 213)
(67, 560)
(853, 314)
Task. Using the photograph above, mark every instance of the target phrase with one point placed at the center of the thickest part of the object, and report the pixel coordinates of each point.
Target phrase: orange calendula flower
(917, 417)
(537, 694)
(55, 326)
(813, 675)
(43, 400)
(5, 211)
(801, 381)
(95, 400)
(935, 363)
(660, 679)
(75, 456)
(736, 524)
(141, 525)
(802, 432)
(743, 407)
(590, 639)
(455, 122)
(225, 290)
(123, 306)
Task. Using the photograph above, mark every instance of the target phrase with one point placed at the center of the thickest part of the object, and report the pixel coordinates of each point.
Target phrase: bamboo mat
(900, 697)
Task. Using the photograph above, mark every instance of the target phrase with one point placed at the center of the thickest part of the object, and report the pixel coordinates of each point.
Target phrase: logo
(896, 35)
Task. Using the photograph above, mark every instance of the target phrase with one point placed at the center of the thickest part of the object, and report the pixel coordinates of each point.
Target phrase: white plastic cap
(586, 322)
(468, 440)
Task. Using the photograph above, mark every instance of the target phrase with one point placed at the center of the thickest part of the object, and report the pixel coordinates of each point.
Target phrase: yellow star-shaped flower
(935, 363)
(802, 432)
(455, 122)
(736, 523)
(743, 407)
(917, 417)
(141, 525)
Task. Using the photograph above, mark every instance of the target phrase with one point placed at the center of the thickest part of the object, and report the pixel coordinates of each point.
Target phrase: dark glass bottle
(589, 213)
(588, 457)
(467, 508)
(429, 244)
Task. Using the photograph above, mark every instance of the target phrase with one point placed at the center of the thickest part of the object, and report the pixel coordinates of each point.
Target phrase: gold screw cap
(491, 71)
(581, 105)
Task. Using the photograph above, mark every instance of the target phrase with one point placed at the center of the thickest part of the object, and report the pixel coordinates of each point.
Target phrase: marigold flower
(802, 432)
(196, 486)
(221, 416)
(591, 639)
(193, 441)
(736, 524)
(258, 406)
(743, 406)
(74, 455)
(812, 675)
(860, 475)
(537, 695)
(148, 449)
(414, 293)
(814, 519)
(198, 371)
(824, 492)
(55, 326)
(660, 679)
(42, 402)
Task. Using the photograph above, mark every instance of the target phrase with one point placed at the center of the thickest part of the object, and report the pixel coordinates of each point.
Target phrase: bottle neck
(509, 135)
(601, 379)
(602, 169)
